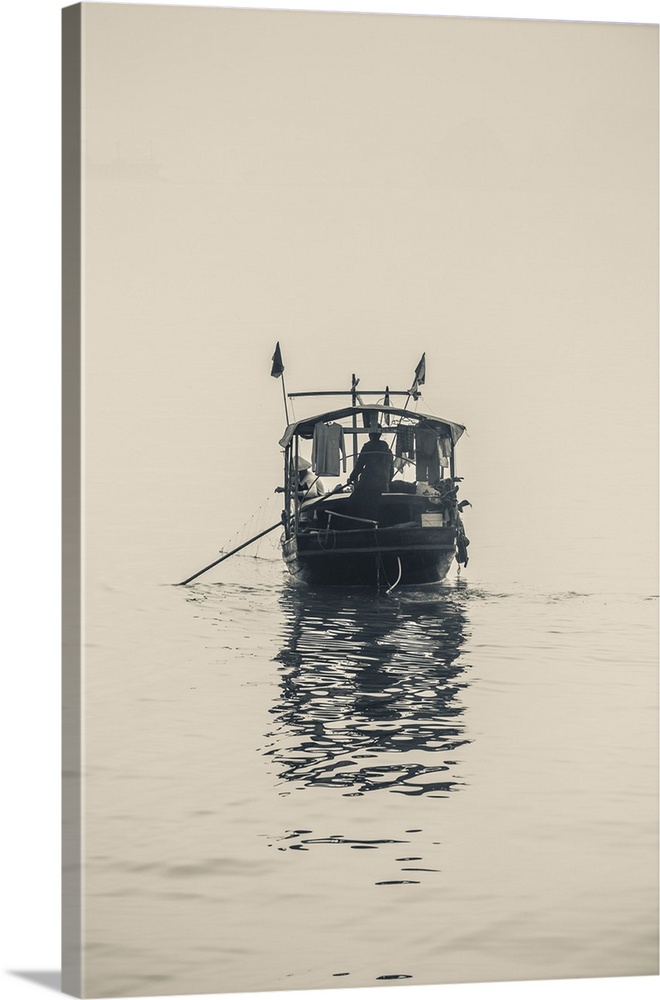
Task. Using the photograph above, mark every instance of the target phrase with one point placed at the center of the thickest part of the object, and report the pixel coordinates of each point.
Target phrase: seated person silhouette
(309, 484)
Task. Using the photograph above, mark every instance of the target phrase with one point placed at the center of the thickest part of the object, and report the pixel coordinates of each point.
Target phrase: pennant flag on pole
(420, 371)
(278, 366)
(386, 402)
(420, 374)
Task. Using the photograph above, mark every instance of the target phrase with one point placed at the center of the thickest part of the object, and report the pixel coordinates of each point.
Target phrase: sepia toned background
(362, 189)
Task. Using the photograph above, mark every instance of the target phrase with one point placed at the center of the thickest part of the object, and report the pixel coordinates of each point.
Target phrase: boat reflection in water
(370, 693)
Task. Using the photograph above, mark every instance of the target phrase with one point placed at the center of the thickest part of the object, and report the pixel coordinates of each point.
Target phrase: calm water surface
(295, 788)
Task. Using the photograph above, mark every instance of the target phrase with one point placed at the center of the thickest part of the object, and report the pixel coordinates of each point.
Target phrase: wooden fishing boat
(388, 525)
(408, 532)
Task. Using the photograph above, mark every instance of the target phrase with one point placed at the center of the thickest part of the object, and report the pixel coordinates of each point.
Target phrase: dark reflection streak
(369, 690)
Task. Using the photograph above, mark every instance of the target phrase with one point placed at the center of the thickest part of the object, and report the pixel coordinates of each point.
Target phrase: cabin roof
(305, 426)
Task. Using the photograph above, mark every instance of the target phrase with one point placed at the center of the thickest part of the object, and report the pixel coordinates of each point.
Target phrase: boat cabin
(322, 451)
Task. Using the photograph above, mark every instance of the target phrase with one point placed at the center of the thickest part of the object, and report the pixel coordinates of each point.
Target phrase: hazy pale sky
(363, 188)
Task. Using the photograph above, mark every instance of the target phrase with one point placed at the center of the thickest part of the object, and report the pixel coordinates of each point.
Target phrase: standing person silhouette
(372, 475)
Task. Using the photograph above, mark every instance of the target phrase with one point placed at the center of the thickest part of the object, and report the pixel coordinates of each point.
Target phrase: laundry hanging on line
(405, 442)
(427, 467)
(444, 452)
(328, 449)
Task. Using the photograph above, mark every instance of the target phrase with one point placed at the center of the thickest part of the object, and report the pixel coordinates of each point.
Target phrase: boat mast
(354, 385)
(287, 490)
(294, 489)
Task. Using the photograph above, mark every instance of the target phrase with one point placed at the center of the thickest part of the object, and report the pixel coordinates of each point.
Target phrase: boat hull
(371, 557)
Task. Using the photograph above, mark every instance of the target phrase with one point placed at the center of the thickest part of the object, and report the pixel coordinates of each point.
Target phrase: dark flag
(278, 366)
(420, 375)
(386, 402)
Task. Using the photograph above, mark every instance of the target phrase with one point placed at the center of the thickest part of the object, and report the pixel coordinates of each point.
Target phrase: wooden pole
(286, 408)
(233, 552)
(296, 495)
(354, 385)
(288, 488)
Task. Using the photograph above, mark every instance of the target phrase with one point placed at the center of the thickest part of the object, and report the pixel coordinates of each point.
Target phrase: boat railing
(349, 517)
(362, 392)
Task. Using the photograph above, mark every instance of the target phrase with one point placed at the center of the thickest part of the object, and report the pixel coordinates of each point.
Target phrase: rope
(380, 557)
(329, 532)
(271, 542)
(398, 579)
(246, 529)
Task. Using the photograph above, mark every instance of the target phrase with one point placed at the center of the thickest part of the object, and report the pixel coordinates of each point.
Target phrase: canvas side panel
(71, 503)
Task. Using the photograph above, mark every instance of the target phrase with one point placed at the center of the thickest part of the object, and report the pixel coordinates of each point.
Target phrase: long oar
(261, 534)
(318, 501)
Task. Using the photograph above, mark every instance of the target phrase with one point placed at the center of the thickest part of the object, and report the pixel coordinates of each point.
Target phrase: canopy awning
(305, 427)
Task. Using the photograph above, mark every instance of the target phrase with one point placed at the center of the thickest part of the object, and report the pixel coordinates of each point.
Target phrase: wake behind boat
(397, 519)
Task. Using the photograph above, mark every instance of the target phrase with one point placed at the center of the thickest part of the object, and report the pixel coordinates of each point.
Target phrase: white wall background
(29, 62)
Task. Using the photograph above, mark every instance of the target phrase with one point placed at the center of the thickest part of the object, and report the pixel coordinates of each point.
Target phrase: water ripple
(369, 691)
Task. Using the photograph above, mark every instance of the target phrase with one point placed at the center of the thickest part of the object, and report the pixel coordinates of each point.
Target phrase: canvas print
(360, 481)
